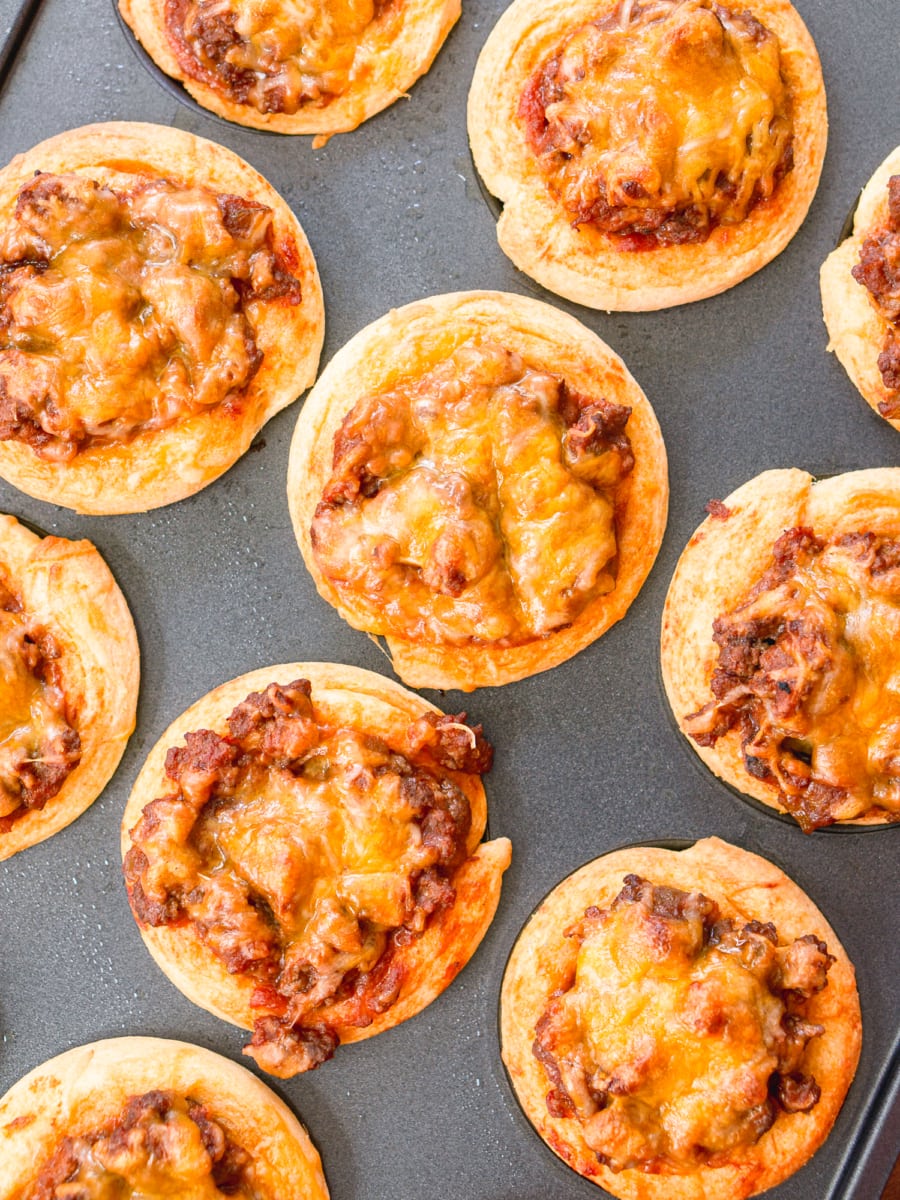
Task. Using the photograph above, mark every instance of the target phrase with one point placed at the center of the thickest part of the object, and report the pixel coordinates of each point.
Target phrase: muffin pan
(587, 756)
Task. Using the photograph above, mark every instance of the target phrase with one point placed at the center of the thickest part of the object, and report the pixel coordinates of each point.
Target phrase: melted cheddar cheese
(809, 673)
(679, 1037)
(122, 312)
(462, 510)
(331, 851)
(156, 1154)
(668, 107)
(275, 55)
(849, 723)
(699, 1033)
(32, 713)
(305, 858)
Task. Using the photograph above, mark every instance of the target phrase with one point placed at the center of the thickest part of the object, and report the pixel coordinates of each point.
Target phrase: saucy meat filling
(661, 121)
(681, 1034)
(306, 857)
(809, 674)
(162, 1145)
(274, 55)
(878, 270)
(476, 503)
(39, 744)
(124, 311)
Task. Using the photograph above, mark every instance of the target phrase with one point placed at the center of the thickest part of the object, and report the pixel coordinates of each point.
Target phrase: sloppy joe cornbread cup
(403, 347)
(68, 593)
(158, 466)
(746, 888)
(728, 554)
(395, 49)
(856, 328)
(343, 698)
(591, 267)
(87, 1091)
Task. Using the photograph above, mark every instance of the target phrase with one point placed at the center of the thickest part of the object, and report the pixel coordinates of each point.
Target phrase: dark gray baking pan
(587, 755)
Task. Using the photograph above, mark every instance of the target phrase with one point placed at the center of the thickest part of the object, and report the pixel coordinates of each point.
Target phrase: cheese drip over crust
(681, 1035)
(38, 744)
(306, 857)
(475, 503)
(162, 1145)
(809, 673)
(661, 121)
(274, 55)
(124, 311)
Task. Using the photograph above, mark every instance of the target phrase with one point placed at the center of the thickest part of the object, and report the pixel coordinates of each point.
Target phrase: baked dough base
(388, 63)
(725, 557)
(363, 700)
(856, 329)
(83, 1089)
(68, 588)
(159, 467)
(408, 342)
(583, 264)
(745, 886)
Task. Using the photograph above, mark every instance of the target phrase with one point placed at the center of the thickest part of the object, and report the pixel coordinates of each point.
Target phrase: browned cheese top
(680, 1036)
(476, 503)
(878, 270)
(662, 120)
(124, 311)
(306, 856)
(39, 744)
(809, 673)
(274, 55)
(162, 1145)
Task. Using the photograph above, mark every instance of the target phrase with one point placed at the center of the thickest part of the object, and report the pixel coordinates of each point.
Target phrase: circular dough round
(745, 887)
(342, 697)
(85, 1089)
(856, 329)
(727, 554)
(410, 341)
(584, 264)
(157, 467)
(395, 50)
(67, 589)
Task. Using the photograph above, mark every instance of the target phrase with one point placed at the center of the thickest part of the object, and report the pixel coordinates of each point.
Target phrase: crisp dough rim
(584, 266)
(160, 467)
(745, 885)
(388, 66)
(68, 588)
(855, 327)
(84, 1088)
(408, 341)
(724, 558)
(364, 700)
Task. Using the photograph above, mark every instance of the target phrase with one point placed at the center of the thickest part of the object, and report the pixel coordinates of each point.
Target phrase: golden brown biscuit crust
(745, 886)
(157, 468)
(583, 264)
(725, 557)
(67, 588)
(856, 328)
(350, 697)
(86, 1088)
(396, 50)
(406, 343)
